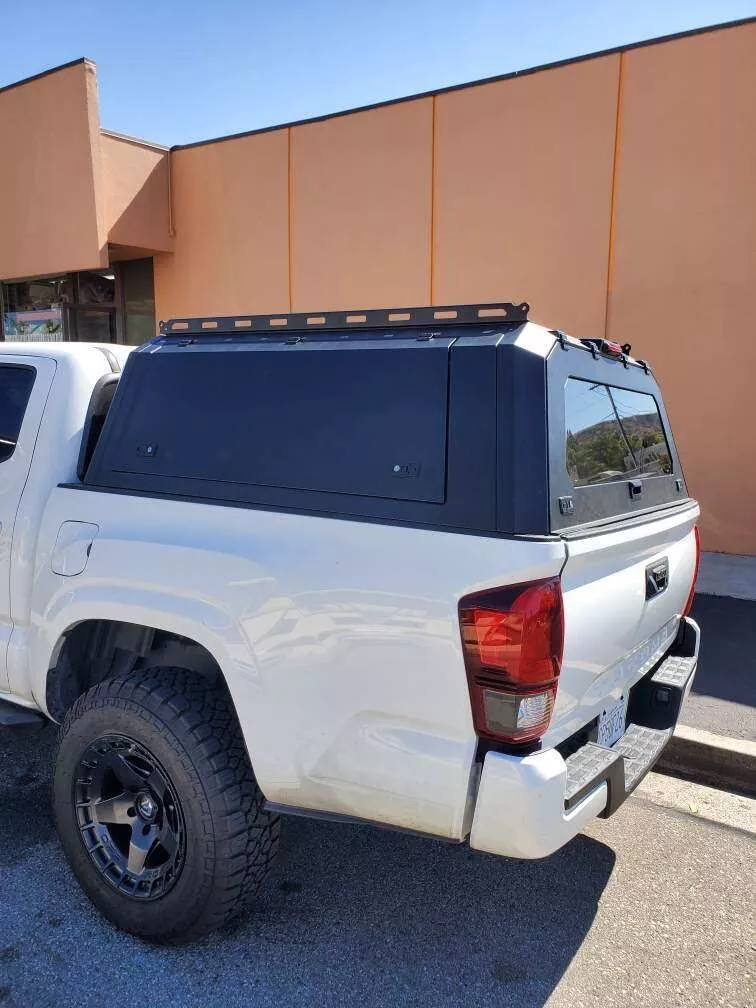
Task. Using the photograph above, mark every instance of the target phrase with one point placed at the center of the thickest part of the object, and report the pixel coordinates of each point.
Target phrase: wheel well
(99, 649)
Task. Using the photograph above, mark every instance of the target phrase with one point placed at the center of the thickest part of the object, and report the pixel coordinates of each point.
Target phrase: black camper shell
(464, 418)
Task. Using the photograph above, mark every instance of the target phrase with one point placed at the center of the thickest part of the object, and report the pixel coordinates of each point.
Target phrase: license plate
(611, 726)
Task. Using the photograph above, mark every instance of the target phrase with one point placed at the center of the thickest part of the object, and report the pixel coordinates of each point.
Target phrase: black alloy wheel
(130, 817)
(157, 806)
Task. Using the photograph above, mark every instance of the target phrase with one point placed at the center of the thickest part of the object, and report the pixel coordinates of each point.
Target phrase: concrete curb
(725, 763)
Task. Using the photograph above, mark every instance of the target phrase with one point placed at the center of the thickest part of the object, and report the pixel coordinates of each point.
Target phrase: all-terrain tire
(188, 727)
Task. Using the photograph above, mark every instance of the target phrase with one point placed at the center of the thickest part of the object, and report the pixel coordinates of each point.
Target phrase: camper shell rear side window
(612, 454)
(612, 434)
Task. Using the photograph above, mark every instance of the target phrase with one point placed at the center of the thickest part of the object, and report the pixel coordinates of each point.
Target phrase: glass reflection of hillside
(613, 434)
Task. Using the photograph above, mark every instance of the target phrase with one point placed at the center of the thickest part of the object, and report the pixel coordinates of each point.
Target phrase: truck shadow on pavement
(727, 665)
(351, 916)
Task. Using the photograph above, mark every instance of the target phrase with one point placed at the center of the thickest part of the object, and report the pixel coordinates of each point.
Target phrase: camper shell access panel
(429, 422)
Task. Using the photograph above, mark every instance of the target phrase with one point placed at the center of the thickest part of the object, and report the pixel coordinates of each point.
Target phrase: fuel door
(72, 547)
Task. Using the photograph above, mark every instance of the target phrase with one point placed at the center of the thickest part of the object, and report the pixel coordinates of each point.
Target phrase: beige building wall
(231, 223)
(615, 194)
(137, 192)
(51, 176)
(683, 284)
(68, 189)
(523, 192)
(361, 209)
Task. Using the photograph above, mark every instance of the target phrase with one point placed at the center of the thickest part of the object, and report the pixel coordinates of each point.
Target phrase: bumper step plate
(623, 766)
(654, 707)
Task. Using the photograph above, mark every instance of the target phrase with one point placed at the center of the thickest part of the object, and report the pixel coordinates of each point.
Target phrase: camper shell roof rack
(371, 318)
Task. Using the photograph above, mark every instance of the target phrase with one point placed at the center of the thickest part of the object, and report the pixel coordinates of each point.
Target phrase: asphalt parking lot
(723, 699)
(652, 907)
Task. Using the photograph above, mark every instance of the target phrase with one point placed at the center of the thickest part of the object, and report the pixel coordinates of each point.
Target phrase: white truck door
(24, 386)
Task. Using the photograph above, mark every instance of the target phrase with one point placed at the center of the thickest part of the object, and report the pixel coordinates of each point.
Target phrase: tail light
(512, 640)
(689, 603)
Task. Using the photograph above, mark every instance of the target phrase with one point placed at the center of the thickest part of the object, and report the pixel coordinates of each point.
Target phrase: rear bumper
(530, 806)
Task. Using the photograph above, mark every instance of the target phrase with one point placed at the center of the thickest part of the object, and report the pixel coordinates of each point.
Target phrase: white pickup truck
(428, 569)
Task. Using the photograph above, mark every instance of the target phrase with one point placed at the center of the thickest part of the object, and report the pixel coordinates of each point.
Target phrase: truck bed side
(339, 641)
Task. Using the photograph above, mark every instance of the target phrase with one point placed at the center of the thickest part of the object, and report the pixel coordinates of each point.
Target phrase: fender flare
(198, 620)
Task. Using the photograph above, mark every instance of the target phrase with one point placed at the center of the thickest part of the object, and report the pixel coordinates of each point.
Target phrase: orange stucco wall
(68, 189)
(361, 209)
(137, 192)
(523, 193)
(616, 195)
(231, 220)
(683, 285)
(50, 175)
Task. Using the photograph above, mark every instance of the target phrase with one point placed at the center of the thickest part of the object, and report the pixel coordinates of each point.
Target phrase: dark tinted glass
(138, 289)
(15, 389)
(612, 434)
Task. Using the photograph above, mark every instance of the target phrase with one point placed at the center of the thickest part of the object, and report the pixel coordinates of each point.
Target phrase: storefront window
(94, 306)
(35, 309)
(96, 288)
(94, 326)
(138, 289)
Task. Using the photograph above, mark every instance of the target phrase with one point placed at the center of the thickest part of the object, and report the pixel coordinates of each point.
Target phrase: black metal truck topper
(450, 417)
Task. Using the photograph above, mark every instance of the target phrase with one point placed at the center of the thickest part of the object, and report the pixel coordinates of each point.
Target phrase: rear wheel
(157, 807)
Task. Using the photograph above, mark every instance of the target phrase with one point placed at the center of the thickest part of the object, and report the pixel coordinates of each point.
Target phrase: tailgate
(620, 616)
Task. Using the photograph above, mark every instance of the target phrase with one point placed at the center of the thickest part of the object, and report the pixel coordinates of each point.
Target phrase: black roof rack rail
(371, 318)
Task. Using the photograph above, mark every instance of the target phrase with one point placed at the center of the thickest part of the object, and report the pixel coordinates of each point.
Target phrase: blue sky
(174, 71)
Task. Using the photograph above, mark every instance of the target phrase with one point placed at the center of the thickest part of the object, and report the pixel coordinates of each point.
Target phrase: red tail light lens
(512, 640)
(691, 596)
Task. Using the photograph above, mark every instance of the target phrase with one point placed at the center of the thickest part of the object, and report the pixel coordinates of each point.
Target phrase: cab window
(15, 388)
